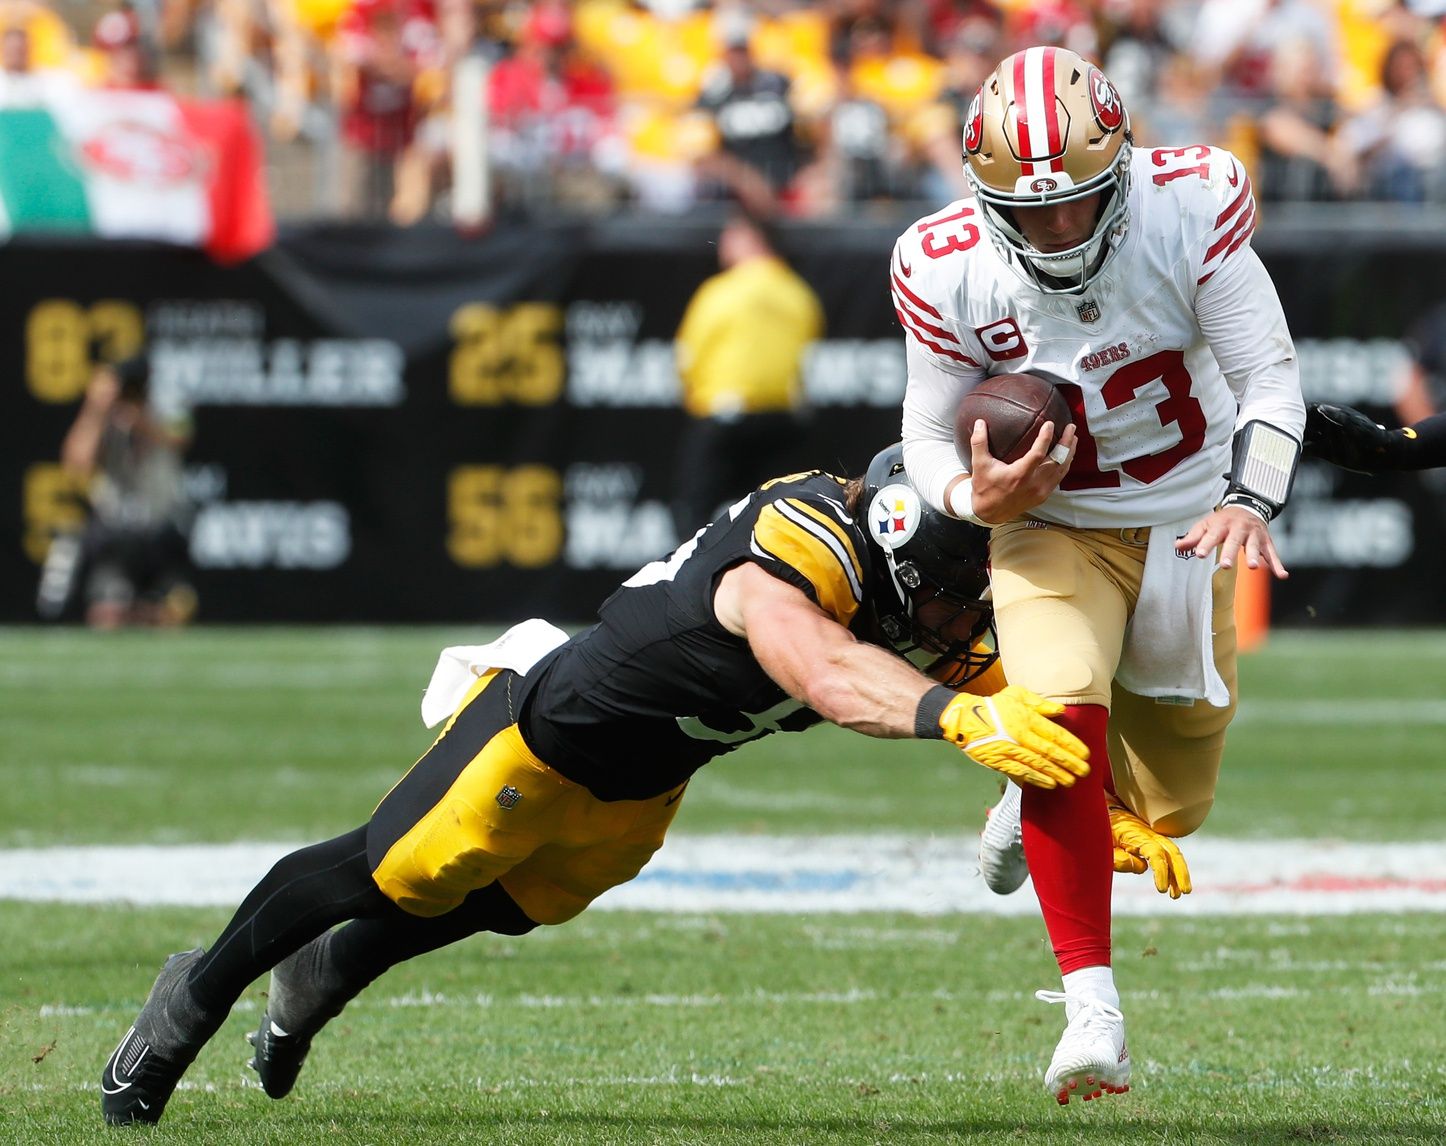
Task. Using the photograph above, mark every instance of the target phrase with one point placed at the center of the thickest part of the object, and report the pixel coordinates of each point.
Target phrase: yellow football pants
(480, 807)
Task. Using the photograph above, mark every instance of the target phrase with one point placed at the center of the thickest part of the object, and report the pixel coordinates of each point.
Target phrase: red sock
(1067, 841)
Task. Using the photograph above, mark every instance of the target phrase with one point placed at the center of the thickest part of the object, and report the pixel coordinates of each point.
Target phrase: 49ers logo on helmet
(973, 126)
(1105, 101)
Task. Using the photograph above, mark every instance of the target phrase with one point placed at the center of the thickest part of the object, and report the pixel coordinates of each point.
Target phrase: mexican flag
(136, 165)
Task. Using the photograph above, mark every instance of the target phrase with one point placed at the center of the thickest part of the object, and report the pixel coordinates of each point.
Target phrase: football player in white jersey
(1126, 278)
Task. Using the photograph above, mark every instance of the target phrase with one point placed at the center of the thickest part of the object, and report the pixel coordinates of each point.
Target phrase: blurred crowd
(799, 109)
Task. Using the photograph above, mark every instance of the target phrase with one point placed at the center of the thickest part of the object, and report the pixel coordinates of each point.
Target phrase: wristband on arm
(1262, 469)
(931, 707)
(960, 503)
(1421, 446)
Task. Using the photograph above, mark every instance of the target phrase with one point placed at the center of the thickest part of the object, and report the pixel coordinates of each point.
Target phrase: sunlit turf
(834, 1029)
(218, 734)
(623, 1027)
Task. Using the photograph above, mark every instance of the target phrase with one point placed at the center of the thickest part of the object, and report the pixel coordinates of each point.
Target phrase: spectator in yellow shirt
(740, 355)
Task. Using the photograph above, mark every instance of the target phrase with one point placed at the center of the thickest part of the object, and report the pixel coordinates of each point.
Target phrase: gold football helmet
(1047, 126)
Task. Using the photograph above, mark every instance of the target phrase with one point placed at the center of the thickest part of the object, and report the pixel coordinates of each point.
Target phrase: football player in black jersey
(550, 785)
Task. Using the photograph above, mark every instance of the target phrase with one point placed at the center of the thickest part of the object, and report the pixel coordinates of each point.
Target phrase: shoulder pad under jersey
(805, 536)
(1208, 188)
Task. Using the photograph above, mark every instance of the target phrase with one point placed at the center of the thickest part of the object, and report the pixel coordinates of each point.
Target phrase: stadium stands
(604, 106)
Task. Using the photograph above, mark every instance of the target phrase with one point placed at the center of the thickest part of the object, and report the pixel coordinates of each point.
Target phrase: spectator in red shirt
(552, 112)
(379, 55)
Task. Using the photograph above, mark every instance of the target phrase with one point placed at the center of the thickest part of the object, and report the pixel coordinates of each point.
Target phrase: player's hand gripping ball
(1013, 407)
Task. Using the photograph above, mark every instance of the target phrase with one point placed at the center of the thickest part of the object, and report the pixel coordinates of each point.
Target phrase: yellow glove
(1011, 732)
(1139, 848)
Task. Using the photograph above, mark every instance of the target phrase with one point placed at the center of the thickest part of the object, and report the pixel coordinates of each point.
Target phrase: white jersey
(1181, 339)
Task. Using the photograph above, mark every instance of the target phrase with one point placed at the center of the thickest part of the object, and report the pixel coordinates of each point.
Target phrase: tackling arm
(1347, 438)
(862, 686)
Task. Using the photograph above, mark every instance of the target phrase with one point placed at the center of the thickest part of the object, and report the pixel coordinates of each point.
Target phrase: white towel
(459, 666)
(1169, 644)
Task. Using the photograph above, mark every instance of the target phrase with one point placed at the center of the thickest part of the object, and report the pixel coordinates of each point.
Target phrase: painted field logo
(508, 797)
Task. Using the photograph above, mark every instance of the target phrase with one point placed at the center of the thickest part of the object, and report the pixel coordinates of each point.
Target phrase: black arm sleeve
(1423, 446)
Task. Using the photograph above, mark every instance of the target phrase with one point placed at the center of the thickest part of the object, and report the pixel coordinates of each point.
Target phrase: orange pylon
(1252, 607)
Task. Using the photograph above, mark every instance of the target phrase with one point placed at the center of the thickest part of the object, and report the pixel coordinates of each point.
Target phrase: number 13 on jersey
(1179, 408)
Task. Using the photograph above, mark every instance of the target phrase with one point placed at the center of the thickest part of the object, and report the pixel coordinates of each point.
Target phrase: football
(1013, 407)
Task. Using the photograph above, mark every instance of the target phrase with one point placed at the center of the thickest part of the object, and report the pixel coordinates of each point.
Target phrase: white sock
(1090, 983)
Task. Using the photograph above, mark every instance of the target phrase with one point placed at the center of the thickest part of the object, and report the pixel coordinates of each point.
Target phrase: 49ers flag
(135, 164)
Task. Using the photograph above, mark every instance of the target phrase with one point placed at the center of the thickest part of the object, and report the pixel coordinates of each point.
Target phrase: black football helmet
(931, 573)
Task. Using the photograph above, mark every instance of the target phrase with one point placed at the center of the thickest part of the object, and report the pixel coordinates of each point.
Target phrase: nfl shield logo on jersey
(1089, 311)
(508, 797)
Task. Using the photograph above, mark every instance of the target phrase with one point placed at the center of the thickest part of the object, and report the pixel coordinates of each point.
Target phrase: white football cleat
(1001, 847)
(1091, 1059)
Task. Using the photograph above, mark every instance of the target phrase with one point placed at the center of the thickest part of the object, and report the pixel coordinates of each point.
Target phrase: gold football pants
(479, 807)
(1062, 599)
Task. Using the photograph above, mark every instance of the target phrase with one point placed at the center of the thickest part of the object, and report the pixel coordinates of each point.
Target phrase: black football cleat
(167, 1035)
(306, 993)
(279, 1056)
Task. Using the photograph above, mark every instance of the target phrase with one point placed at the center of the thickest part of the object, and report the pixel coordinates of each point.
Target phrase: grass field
(630, 1027)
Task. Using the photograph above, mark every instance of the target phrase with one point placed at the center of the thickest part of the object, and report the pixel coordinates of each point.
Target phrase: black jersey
(631, 707)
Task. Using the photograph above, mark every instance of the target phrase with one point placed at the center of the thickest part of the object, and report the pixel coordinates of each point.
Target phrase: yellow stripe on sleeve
(833, 525)
(818, 552)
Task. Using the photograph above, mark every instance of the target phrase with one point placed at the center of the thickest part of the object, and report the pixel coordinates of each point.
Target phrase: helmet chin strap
(1077, 282)
(1090, 256)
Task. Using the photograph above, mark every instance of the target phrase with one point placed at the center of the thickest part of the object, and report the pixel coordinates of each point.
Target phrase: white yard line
(918, 875)
(1310, 713)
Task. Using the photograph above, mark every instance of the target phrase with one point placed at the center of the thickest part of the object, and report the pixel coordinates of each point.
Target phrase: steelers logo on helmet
(895, 515)
(1105, 102)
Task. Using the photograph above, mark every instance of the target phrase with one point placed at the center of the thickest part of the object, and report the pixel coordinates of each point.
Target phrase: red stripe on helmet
(1021, 116)
(1053, 142)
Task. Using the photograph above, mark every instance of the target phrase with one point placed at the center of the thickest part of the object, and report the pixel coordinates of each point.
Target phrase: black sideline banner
(411, 426)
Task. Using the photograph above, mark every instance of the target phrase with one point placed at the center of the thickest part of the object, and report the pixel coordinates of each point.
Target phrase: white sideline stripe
(1309, 713)
(915, 874)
